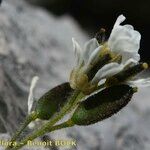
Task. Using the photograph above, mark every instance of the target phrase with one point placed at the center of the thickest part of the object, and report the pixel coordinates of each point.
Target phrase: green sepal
(102, 61)
(102, 105)
(52, 101)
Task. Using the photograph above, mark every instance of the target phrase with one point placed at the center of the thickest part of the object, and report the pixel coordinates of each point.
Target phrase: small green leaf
(52, 101)
(102, 105)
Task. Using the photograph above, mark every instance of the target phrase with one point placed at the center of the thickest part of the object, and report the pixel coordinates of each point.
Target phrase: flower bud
(100, 36)
(102, 105)
(52, 101)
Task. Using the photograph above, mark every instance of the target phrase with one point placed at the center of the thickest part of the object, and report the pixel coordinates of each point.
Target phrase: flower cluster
(122, 45)
(105, 71)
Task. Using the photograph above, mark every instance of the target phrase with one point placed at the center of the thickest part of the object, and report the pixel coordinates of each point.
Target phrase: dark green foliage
(53, 100)
(102, 104)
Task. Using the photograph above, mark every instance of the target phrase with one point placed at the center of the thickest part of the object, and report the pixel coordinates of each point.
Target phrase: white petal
(78, 52)
(136, 57)
(130, 62)
(115, 33)
(107, 71)
(127, 56)
(125, 40)
(125, 43)
(31, 93)
(140, 82)
(129, 26)
(94, 56)
(136, 36)
(119, 20)
(89, 47)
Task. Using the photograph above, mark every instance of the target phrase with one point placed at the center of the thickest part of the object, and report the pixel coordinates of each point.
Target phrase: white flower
(123, 40)
(31, 97)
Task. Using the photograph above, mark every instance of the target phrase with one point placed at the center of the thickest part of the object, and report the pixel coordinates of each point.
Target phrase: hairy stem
(66, 124)
(26, 122)
(72, 101)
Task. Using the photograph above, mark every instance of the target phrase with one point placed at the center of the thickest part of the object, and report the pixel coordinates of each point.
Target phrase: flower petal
(89, 47)
(119, 20)
(125, 40)
(130, 62)
(31, 93)
(94, 56)
(127, 56)
(107, 71)
(78, 52)
(129, 26)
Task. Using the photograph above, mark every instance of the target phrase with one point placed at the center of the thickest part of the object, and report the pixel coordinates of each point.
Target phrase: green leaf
(52, 101)
(102, 105)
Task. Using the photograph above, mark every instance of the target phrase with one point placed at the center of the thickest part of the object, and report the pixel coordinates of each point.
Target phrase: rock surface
(33, 42)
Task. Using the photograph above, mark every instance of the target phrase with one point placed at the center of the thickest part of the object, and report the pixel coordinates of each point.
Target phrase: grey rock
(34, 42)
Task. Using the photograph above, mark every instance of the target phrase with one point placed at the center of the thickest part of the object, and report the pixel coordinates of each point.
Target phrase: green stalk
(66, 124)
(31, 117)
(45, 128)
(72, 102)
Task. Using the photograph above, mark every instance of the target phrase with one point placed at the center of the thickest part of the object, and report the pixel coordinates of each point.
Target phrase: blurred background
(35, 39)
(94, 14)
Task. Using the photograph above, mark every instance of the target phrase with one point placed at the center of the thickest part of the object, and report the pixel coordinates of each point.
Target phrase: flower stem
(27, 121)
(31, 117)
(66, 124)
